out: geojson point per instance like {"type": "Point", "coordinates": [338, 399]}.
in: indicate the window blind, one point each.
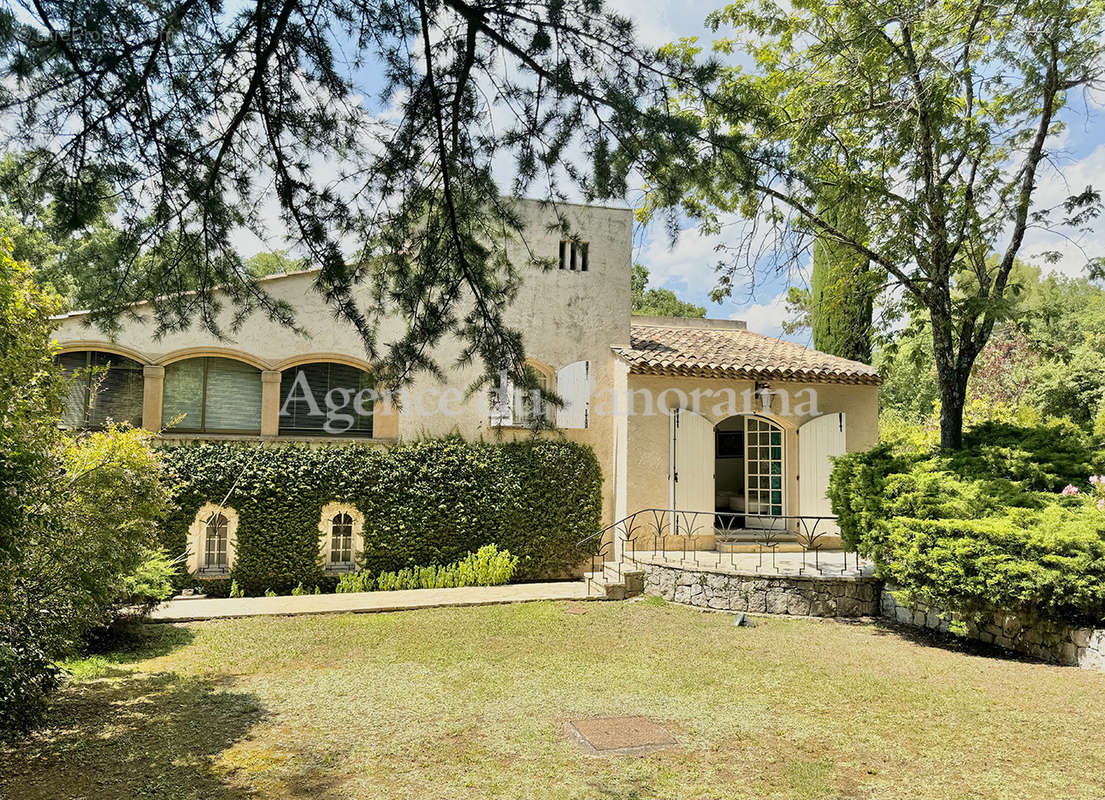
{"type": "Point", "coordinates": [233, 396]}
{"type": "Point", "coordinates": [213, 394]}
{"type": "Point", "coordinates": [184, 395]}
{"type": "Point", "coordinates": [318, 380]}
{"type": "Point", "coordinates": [104, 387]}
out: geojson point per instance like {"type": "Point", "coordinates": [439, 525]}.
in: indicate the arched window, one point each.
{"type": "Point", "coordinates": [215, 542]}
{"type": "Point", "coordinates": [211, 394]}
{"type": "Point", "coordinates": [212, 540]}
{"type": "Point", "coordinates": [105, 386]}
{"type": "Point", "coordinates": [340, 540]}
{"type": "Point", "coordinates": [326, 399]}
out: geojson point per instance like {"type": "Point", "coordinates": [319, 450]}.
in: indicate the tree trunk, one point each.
{"type": "Point", "coordinates": [952, 375]}
{"type": "Point", "coordinates": [952, 399]}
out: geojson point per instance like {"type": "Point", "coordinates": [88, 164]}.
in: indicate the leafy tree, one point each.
{"type": "Point", "coordinates": [60, 247]}
{"type": "Point", "coordinates": [195, 116]}
{"type": "Point", "coordinates": [932, 118]}
{"type": "Point", "coordinates": [273, 262]}
{"type": "Point", "coordinates": [658, 302]}
{"type": "Point", "coordinates": [1047, 357]}
{"type": "Point", "coordinates": [77, 516]}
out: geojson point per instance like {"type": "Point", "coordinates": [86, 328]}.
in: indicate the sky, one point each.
{"type": "Point", "coordinates": [687, 269]}
{"type": "Point", "coordinates": [687, 266]}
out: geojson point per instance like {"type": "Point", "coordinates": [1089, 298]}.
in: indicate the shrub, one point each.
{"type": "Point", "coordinates": [982, 529]}
{"type": "Point", "coordinates": [109, 508]}
{"type": "Point", "coordinates": [425, 503]}
{"type": "Point", "coordinates": [489, 566]}
{"type": "Point", "coordinates": [1050, 563]}
{"type": "Point", "coordinates": [360, 581]}
{"type": "Point", "coordinates": [147, 587]}
{"type": "Point", "coordinates": [78, 516]}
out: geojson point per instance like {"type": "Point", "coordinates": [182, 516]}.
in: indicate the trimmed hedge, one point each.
{"type": "Point", "coordinates": [1050, 563]}
{"type": "Point", "coordinates": [982, 529]}
{"type": "Point", "coordinates": [425, 503]}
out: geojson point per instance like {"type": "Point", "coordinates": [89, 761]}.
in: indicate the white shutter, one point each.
{"type": "Point", "coordinates": [502, 403]}
{"type": "Point", "coordinates": [818, 441]}
{"type": "Point", "coordinates": [573, 384]}
{"type": "Point", "coordinates": [692, 465]}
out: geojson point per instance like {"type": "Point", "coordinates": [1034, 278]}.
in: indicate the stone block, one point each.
{"type": "Point", "coordinates": [1068, 654]}
{"type": "Point", "coordinates": [1080, 637]}
{"type": "Point", "coordinates": [848, 607]}
{"type": "Point", "coordinates": [798, 605]}
{"type": "Point", "coordinates": [777, 601]}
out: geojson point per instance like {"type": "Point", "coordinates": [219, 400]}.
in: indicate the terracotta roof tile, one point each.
{"type": "Point", "coordinates": [734, 353]}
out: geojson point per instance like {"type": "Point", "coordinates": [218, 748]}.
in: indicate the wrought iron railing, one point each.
{"type": "Point", "coordinates": [659, 532]}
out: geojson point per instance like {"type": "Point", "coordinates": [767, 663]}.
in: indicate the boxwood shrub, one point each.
{"type": "Point", "coordinates": [425, 502]}
{"type": "Point", "coordinates": [982, 529]}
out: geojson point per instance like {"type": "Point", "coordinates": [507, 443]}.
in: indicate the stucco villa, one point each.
{"type": "Point", "coordinates": [687, 414]}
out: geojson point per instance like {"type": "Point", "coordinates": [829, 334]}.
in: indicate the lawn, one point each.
{"type": "Point", "coordinates": [474, 703]}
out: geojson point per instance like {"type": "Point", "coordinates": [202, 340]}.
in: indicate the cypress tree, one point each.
{"type": "Point", "coordinates": [842, 290]}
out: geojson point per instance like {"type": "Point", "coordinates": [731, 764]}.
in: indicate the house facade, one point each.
{"type": "Point", "coordinates": [686, 414]}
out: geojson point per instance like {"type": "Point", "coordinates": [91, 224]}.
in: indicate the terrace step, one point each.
{"type": "Point", "coordinates": [755, 547]}
{"type": "Point", "coordinates": [615, 582]}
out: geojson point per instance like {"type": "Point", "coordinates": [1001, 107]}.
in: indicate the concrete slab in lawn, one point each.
{"type": "Point", "coordinates": [620, 735]}
{"type": "Point", "coordinates": [186, 610]}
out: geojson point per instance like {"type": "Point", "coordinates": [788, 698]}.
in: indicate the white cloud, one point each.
{"type": "Point", "coordinates": [691, 263]}
{"type": "Point", "coordinates": [766, 318]}
{"type": "Point", "coordinates": [659, 22]}
{"type": "Point", "coordinates": [1058, 180]}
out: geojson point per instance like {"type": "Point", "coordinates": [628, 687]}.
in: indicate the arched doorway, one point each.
{"type": "Point", "coordinates": [749, 470]}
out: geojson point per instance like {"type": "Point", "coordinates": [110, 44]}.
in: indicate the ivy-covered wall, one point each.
{"type": "Point", "coordinates": [425, 502]}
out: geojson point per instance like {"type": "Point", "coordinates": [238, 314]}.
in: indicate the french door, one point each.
{"type": "Point", "coordinates": [764, 461]}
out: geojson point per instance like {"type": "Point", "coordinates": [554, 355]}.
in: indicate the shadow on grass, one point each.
{"type": "Point", "coordinates": [927, 637]}
{"type": "Point", "coordinates": [117, 647]}
{"type": "Point", "coordinates": [139, 736]}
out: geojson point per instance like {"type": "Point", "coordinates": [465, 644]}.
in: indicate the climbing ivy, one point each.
{"type": "Point", "coordinates": [425, 502]}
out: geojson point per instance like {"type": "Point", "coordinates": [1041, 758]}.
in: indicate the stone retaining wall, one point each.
{"type": "Point", "coordinates": [800, 595]}
{"type": "Point", "coordinates": [825, 596]}
{"type": "Point", "coordinates": [1047, 641]}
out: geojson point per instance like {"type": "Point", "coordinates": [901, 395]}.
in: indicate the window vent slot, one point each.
{"type": "Point", "coordinates": [574, 256]}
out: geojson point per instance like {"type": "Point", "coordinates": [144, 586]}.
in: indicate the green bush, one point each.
{"type": "Point", "coordinates": [1049, 563]}
{"type": "Point", "coordinates": [147, 587]}
{"type": "Point", "coordinates": [488, 566]}
{"type": "Point", "coordinates": [982, 529]}
{"type": "Point", "coordinates": [359, 581]}
{"type": "Point", "coordinates": [425, 503]}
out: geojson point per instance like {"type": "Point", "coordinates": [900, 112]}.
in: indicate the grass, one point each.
{"type": "Point", "coordinates": [473, 703]}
